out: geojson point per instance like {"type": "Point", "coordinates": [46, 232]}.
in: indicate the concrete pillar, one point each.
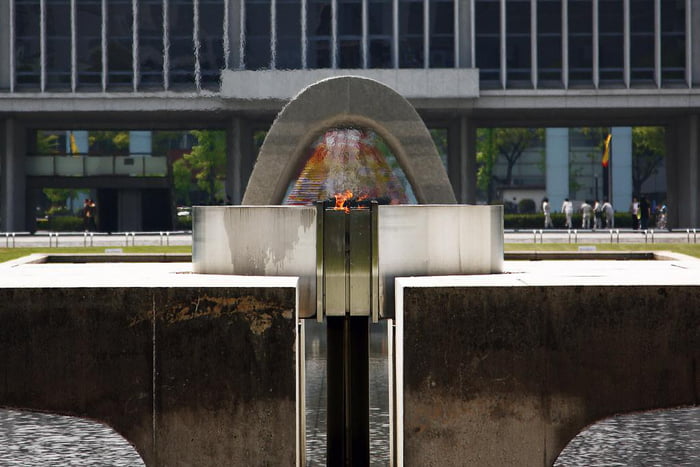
{"type": "Point", "coordinates": [5, 40]}
{"type": "Point", "coordinates": [13, 179]}
{"type": "Point", "coordinates": [694, 37]}
{"type": "Point", "coordinates": [557, 165]}
{"type": "Point", "coordinates": [239, 158]}
{"type": "Point", "coordinates": [234, 34]}
{"type": "Point", "coordinates": [129, 207]}
{"type": "Point", "coordinates": [621, 168]}
{"type": "Point", "coordinates": [683, 171]}
{"type": "Point", "coordinates": [466, 165]}
{"type": "Point", "coordinates": [465, 35]}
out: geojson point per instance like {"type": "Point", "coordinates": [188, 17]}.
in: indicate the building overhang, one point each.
{"type": "Point", "coordinates": [436, 83]}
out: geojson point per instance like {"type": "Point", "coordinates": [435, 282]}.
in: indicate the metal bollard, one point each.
{"type": "Point", "coordinates": [161, 238]}
{"type": "Point", "coordinates": [541, 236]}
{"type": "Point", "coordinates": [7, 239]}
{"type": "Point", "coordinates": [568, 231]}
{"type": "Point", "coordinates": [645, 235]}
{"type": "Point", "coordinates": [575, 236]}
{"type": "Point", "coordinates": [695, 236]}
{"type": "Point", "coordinates": [92, 238]}
{"type": "Point", "coordinates": [611, 235]}
{"type": "Point", "coordinates": [618, 235]}
{"type": "Point", "coordinates": [13, 240]}
{"type": "Point", "coordinates": [687, 232]}
{"type": "Point", "coordinates": [534, 236]}
{"type": "Point", "coordinates": [652, 235]}
{"type": "Point", "coordinates": [126, 238]}
{"type": "Point", "coordinates": [85, 235]}
{"type": "Point", "coordinates": [167, 237]}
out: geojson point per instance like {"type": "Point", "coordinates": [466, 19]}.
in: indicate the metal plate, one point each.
{"type": "Point", "coordinates": [432, 240]}
{"type": "Point", "coordinates": [258, 241]}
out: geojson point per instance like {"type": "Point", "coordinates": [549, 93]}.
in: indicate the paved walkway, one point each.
{"type": "Point", "coordinates": [120, 240]}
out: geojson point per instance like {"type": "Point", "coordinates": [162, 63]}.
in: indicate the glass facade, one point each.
{"type": "Point", "coordinates": [132, 45]}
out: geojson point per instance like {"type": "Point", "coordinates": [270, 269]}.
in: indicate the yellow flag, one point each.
{"type": "Point", "coordinates": [73, 145]}
{"type": "Point", "coordinates": [606, 152]}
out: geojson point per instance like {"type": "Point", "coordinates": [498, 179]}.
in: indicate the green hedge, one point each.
{"type": "Point", "coordinates": [623, 220]}
{"type": "Point", "coordinates": [183, 223]}
{"type": "Point", "coordinates": [64, 224]}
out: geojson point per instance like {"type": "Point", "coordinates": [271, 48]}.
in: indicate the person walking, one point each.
{"type": "Point", "coordinates": [634, 210]}
{"type": "Point", "coordinates": [598, 215]}
{"type": "Point", "coordinates": [609, 214]}
{"type": "Point", "coordinates": [567, 208]}
{"type": "Point", "coordinates": [547, 210]}
{"type": "Point", "coordinates": [586, 214]}
{"type": "Point", "coordinates": [644, 213]}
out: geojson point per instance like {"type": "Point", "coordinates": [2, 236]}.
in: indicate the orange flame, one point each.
{"type": "Point", "coordinates": [341, 199]}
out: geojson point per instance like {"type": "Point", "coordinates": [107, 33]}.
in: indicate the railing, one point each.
{"type": "Point", "coordinates": [86, 166]}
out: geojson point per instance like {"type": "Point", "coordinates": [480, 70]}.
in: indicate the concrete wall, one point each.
{"type": "Point", "coordinates": [191, 376]}
{"type": "Point", "coordinates": [497, 376]}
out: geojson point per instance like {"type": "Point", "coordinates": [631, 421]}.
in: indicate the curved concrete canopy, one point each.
{"type": "Point", "coordinates": [347, 101]}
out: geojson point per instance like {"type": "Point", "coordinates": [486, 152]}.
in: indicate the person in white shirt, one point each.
{"type": "Point", "coordinates": [609, 214]}
{"type": "Point", "coordinates": [547, 210]}
{"type": "Point", "coordinates": [587, 213]}
{"type": "Point", "coordinates": [567, 208]}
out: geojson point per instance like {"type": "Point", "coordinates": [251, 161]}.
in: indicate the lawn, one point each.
{"type": "Point", "coordinates": [7, 254]}
{"type": "Point", "coordinates": [683, 248]}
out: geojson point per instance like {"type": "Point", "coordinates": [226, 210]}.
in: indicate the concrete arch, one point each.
{"type": "Point", "coordinates": [347, 101]}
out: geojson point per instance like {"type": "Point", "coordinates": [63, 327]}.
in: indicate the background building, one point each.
{"type": "Point", "coordinates": [76, 69]}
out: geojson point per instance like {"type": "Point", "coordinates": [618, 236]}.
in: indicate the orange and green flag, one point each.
{"type": "Point", "coordinates": [606, 151]}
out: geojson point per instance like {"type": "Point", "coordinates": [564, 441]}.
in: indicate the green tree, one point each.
{"type": "Point", "coordinates": [205, 164]}
{"type": "Point", "coordinates": [648, 151]}
{"type": "Point", "coordinates": [506, 143]}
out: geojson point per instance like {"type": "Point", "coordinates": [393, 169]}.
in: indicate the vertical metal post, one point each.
{"type": "Point", "coordinates": [533, 43]}
{"type": "Point", "coordinates": [42, 44]}
{"type": "Point", "coordinates": [596, 46]}
{"type": "Point", "coordinates": [565, 43]}
{"type": "Point", "coordinates": [657, 42]}
{"type": "Point", "coordinates": [103, 29]}
{"type": "Point", "coordinates": [626, 44]}
{"type": "Point", "coordinates": [334, 34]}
{"type": "Point", "coordinates": [135, 44]}
{"type": "Point", "coordinates": [426, 34]}
{"type": "Point", "coordinates": [73, 47]}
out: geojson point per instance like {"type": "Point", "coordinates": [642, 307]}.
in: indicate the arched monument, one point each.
{"type": "Point", "coordinates": [347, 102]}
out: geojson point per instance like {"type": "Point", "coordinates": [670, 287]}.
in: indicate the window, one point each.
{"type": "Point", "coordinates": [488, 41]}
{"type": "Point", "coordinates": [380, 34]}
{"type": "Point", "coordinates": [411, 34]}
{"type": "Point", "coordinates": [288, 34]}
{"type": "Point", "coordinates": [180, 22]}
{"type": "Point", "coordinates": [89, 46]}
{"type": "Point", "coordinates": [442, 36]}
{"type": "Point", "coordinates": [318, 33]}
{"type": "Point", "coordinates": [349, 34]}
{"type": "Point", "coordinates": [673, 42]}
{"type": "Point", "coordinates": [119, 44]}
{"type": "Point", "coordinates": [150, 31]}
{"type": "Point", "coordinates": [257, 27]}
{"type": "Point", "coordinates": [611, 42]}
{"type": "Point", "coordinates": [549, 43]}
{"type": "Point", "coordinates": [642, 42]}
{"type": "Point", "coordinates": [27, 44]}
{"type": "Point", "coordinates": [580, 43]}
{"type": "Point", "coordinates": [211, 49]}
{"type": "Point", "coordinates": [58, 45]}
{"type": "Point", "coordinates": [518, 56]}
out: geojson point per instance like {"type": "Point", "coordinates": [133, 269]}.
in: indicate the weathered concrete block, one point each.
{"type": "Point", "coordinates": [189, 375]}
{"type": "Point", "coordinates": [509, 375]}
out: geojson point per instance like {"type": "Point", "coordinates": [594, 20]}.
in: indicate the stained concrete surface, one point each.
{"type": "Point", "coordinates": [192, 370]}
{"type": "Point", "coordinates": [506, 369]}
